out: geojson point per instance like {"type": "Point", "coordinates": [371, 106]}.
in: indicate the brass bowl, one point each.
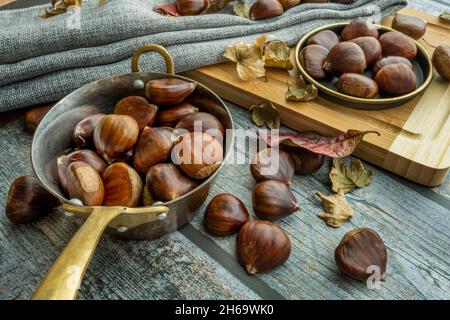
{"type": "Point", "coordinates": [423, 68]}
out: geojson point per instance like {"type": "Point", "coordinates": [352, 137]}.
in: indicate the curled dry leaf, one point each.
{"type": "Point", "coordinates": [266, 114]}
{"type": "Point", "coordinates": [337, 209]}
{"type": "Point", "coordinates": [445, 15]}
{"type": "Point", "coordinates": [346, 177]}
{"type": "Point", "coordinates": [241, 9]}
{"type": "Point", "coordinates": [340, 146]}
{"type": "Point", "coordinates": [299, 90]}
{"type": "Point", "coordinates": [277, 54]}
{"type": "Point", "coordinates": [61, 6]}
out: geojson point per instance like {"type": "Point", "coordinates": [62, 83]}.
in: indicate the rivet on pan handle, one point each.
{"type": "Point", "coordinates": [152, 47]}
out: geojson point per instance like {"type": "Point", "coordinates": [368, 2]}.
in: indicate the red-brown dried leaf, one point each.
{"type": "Point", "coordinates": [340, 146]}
{"type": "Point", "coordinates": [169, 9]}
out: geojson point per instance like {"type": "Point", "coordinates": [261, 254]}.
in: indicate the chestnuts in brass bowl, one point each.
{"type": "Point", "coordinates": [350, 73]}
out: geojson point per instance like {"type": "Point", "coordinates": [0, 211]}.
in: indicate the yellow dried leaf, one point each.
{"type": "Point", "coordinates": [299, 90]}
{"type": "Point", "coordinates": [267, 114]}
{"type": "Point", "coordinates": [241, 9]}
{"type": "Point", "coordinates": [337, 209]}
{"type": "Point", "coordinates": [248, 58]}
{"type": "Point", "coordinates": [277, 54]}
{"type": "Point", "coordinates": [346, 177]}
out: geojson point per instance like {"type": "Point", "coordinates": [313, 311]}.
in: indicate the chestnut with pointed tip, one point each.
{"type": "Point", "coordinates": [371, 48]}
{"type": "Point", "coordinates": [197, 154]}
{"type": "Point", "coordinates": [394, 43]}
{"type": "Point", "coordinates": [115, 135]}
{"type": "Point", "coordinates": [83, 132]}
{"type": "Point", "coordinates": [28, 200]}
{"type": "Point", "coordinates": [85, 155]}
{"type": "Point", "coordinates": [359, 28]}
{"type": "Point", "coordinates": [165, 182]}
{"type": "Point", "coordinates": [312, 58]}
{"type": "Point", "coordinates": [123, 186]}
{"type": "Point", "coordinates": [201, 122]}
{"type": "Point", "coordinates": [411, 26]}
{"type": "Point", "coordinates": [263, 9]}
{"type": "Point", "coordinates": [390, 60]}
{"type": "Point", "coordinates": [262, 246]}
{"type": "Point", "coordinates": [360, 250]}
{"type": "Point", "coordinates": [325, 38]}
{"type": "Point", "coordinates": [85, 184]}
{"type": "Point", "coordinates": [169, 117]}
{"type": "Point", "coordinates": [272, 200]}
{"type": "Point", "coordinates": [441, 61]}
{"type": "Point", "coordinates": [345, 57]}
{"type": "Point", "coordinates": [154, 146]}
{"type": "Point", "coordinates": [272, 164]}
{"type": "Point", "coordinates": [357, 85]}
{"type": "Point", "coordinates": [139, 109]}
{"type": "Point", "coordinates": [305, 161]}
{"type": "Point", "coordinates": [396, 79]}
{"type": "Point", "coordinates": [225, 215]}
{"type": "Point", "coordinates": [168, 91]}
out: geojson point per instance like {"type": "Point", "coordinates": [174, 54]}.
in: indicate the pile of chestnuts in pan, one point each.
{"type": "Point", "coordinates": [366, 62]}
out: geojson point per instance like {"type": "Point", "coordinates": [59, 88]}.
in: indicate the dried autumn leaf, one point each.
{"type": "Point", "coordinates": [346, 177]}
{"type": "Point", "coordinates": [248, 58]}
{"type": "Point", "coordinates": [266, 114]}
{"type": "Point", "coordinates": [299, 90]}
{"type": "Point", "coordinates": [337, 209]}
{"type": "Point", "coordinates": [445, 15]}
{"type": "Point", "coordinates": [168, 9]}
{"type": "Point", "coordinates": [61, 6]}
{"type": "Point", "coordinates": [340, 146]}
{"type": "Point", "coordinates": [241, 9]}
{"type": "Point", "coordinates": [276, 54]}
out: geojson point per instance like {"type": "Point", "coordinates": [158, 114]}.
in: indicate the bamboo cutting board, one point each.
{"type": "Point", "coordinates": [415, 137]}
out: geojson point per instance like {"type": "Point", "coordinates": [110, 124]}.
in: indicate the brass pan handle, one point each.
{"type": "Point", "coordinates": [152, 47]}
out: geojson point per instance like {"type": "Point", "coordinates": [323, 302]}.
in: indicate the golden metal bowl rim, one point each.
{"type": "Point", "coordinates": [382, 101]}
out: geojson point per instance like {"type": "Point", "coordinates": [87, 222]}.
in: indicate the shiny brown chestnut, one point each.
{"type": "Point", "coordinates": [197, 154]}
{"type": "Point", "coordinates": [85, 155]}
{"type": "Point", "coordinates": [115, 135]}
{"type": "Point", "coordinates": [346, 57]}
{"type": "Point", "coordinates": [168, 91]}
{"type": "Point", "coordinates": [390, 60]}
{"type": "Point", "coordinates": [225, 215]}
{"type": "Point", "coordinates": [85, 184]}
{"type": "Point", "coordinates": [441, 61]}
{"type": "Point", "coordinates": [312, 58]}
{"type": "Point", "coordinates": [154, 146]}
{"type": "Point", "coordinates": [28, 200]}
{"type": "Point", "coordinates": [305, 161]}
{"type": "Point", "coordinates": [201, 122]}
{"type": "Point", "coordinates": [139, 109]}
{"type": "Point", "coordinates": [263, 9]}
{"type": "Point", "coordinates": [272, 200]}
{"type": "Point", "coordinates": [357, 85]}
{"type": "Point", "coordinates": [35, 115]}
{"type": "Point", "coordinates": [371, 47]}
{"type": "Point", "coordinates": [287, 4]}
{"type": "Point", "coordinates": [325, 38]}
{"type": "Point", "coordinates": [411, 26]}
{"type": "Point", "coordinates": [396, 79]}
{"type": "Point", "coordinates": [359, 28]}
{"type": "Point", "coordinates": [360, 252]}
{"type": "Point", "coordinates": [262, 246]}
{"type": "Point", "coordinates": [169, 117]}
{"type": "Point", "coordinates": [83, 132]}
{"type": "Point", "coordinates": [191, 7]}
{"type": "Point", "coordinates": [395, 43]}
{"type": "Point", "coordinates": [272, 164]}
{"type": "Point", "coordinates": [123, 186]}
{"type": "Point", "coordinates": [165, 182]}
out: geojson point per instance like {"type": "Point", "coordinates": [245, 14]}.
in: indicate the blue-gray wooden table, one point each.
{"type": "Point", "coordinates": [414, 222]}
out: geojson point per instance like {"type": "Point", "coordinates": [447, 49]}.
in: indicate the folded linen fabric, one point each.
{"type": "Point", "coordinates": [42, 60]}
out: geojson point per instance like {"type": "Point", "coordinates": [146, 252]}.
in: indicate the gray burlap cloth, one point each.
{"type": "Point", "coordinates": [44, 60]}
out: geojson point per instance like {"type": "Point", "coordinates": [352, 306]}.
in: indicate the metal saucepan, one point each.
{"type": "Point", "coordinates": [53, 137]}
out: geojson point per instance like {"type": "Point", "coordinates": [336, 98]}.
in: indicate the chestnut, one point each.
{"type": "Point", "coordinates": [390, 60]}
{"type": "Point", "coordinates": [371, 48]}
{"type": "Point", "coordinates": [83, 132]}
{"type": "Point", "coordinates": [34, 116]}
{"type": "Point", "coordinates": [396, 79]}
{"type": "Point", "coordinates": [225, 215]}
{"type": "Point", "coordinates": [191, 7]}
{"type": "Point", "coordinates": [85, 184]}
{"type": "Point", "coordinates": [411, 26]}
{"type": "Point", "coordinates": [168, 91]}
{"type": "Point", "coordinates": [263, 9]}
{"type": "Point", "coordinates": [165, 182]}
{"type": "Point", "coordinates": [28, 200]}
{"type": "Point", "coordinates": [262, 246]}
{"type": "Point", "coordinates": [357, 85]}
{"type": "Point", "coordinates": [272, 200]}
{"type": "Point", "coordinates": [359, 28]}
{"type": "Point", "coordinates": [272, 164]}
{"type": "Point", "coordinates": [169, 117]}
{"type": "Point", "coordinates": [115, 135]}
{"type": "Point", "coordinates": [305, 161]}
{"type": "Point", "coordinates": [139, 109]}
{"type": "Point", "coordinates": [197, 154]}
{"type": "Point", "coordinates": [154, 146]}
{"type": "Point", "coordinates": [88, 156]}
{"type": "Point", "coordinates": [325, 38]}
{"type": "Point", "coordinates": [441, 61]}
{"type": "Point", "coordinates": [312, 58]}
{"type": "Point", "coordinates": [358, 251]}
{"type": "Point", "coordinates": [287, 4]}
{"type": "Point", "coordinates": [394, 43]}
{"type": "Point", "coordinates": [123, 185]}
{"type": "Point", "coordinates": [345, 57]}
{"type": "Point", "coordinates": [201, 122]}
